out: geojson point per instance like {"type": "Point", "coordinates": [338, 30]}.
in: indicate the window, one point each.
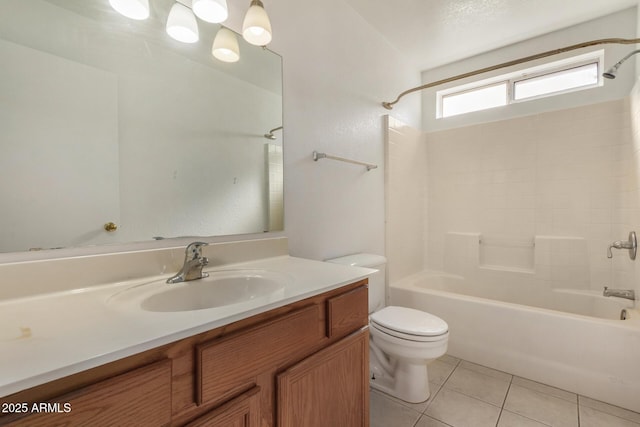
{"type": "Point", "coordinates": [560, 81]}
{"type": "Point", "coordinates": [475, 99]}
{"type": "Point", "coordinates": [555, 78]}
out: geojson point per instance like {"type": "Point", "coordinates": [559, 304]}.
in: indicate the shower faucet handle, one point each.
{"type": "Point", "coordinates": [631, 244]}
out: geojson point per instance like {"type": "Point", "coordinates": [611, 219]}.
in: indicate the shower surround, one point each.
{"type": "Point", "coordinates": [570, 176]}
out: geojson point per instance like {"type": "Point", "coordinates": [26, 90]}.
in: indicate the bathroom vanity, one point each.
{"type": "Point", "coordinates": [302, 364]}
{"type": "Point", "coordinates": [300, 360]}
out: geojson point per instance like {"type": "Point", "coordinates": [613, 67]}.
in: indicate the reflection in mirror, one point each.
{"type": "Point", "coordinates": [109, 120]}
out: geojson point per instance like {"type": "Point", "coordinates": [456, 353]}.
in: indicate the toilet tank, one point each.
{"type": "Point", "coordinates": [376, 280]}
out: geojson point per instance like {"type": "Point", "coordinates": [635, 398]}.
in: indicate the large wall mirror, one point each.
{"type": "Point", "coordinates": [105, 119]}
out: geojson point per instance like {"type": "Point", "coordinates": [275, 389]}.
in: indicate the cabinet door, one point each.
{"type": "Point", "coordinates": [329, 388]}
{"type": "Point", "coordinates": [243, 411]}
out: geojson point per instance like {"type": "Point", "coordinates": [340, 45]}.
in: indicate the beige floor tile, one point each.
{"type": "Point", "coordinates": [486, 371]}
{"type": "Point", "coordinates": [385, 412]}
{"type": "Point", "coordinates": [483, 387]}
{"type": "Point", "coordinates": [610, 409]}
{"type": "Point", "coordinates": [509, 419]}
{"type": "Point", "coordinates": [546, 389]}
{"type": "Point", "coordinates": [419, 407]}
{"type": "Point", "coordinates": [465, 394]}
{"type": "Point", "coordinates": [449, 359]}
{"type": "Point", "coordinates": [426, 421]}
{"type": "Point", "coordinates": [541, 407]}
{"type": "Point", "coordinates": [438, 371]}
{"type": "Point", "coordinates": [590, 417]}
{"type": "Point", "coordinates": [459, 410]}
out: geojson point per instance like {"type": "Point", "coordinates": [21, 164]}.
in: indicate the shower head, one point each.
{"type": "Point", "coordinates": [270, 134]}
{"type": "Point", "coordinates": [613, 71]}
{"type": "Point", "coordinates": [610, 73]}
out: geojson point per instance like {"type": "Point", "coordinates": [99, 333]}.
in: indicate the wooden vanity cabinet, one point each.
{"type": "Point", "coordinates": [304, 364]}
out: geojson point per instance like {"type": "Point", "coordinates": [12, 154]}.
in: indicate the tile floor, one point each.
{"type": "Point", "coordinates": [464, 394]}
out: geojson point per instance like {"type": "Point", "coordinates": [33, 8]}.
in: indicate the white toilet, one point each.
{"type": "Point", "coordinates": [402, 340]}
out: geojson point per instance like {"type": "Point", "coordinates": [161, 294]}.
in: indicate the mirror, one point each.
{"type": "Point", "coordinates": [109, 120]}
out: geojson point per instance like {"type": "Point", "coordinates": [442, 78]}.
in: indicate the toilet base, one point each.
{"type": "Point", "coordinates": [410, 384]}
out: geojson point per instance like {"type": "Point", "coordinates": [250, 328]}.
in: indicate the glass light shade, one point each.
{"type": "Point", "coordinates": [256, 28]}
{"type": "Point", "coordinates": [225, 46]}
{"type": "Point", "coordinates": [134, 9]}
{"type": "Point", "coordinates": [213, 11]}
{"type": "Point", "coordinates": [182, 24]}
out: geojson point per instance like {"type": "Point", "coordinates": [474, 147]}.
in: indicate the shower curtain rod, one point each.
{"type": "Point", "coordinates": [389, 105]}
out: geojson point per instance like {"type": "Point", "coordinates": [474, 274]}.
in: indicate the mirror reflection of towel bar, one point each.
{"type": "Point", "coordinates": [317, 156]}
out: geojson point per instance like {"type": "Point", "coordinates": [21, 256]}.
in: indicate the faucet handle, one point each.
{"type": "Point", "coordinates": [194, 250]}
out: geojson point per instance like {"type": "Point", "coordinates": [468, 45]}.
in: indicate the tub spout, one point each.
{"type": "Point", "coordinates": [620, 293]}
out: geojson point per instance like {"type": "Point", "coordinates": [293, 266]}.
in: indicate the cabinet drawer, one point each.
{"type": "Point", "coordinates": [138, 397]}
{"type": "Point", "coordinates": [347, 312]}
{"type": "Point", "coordinates": [229, 365]}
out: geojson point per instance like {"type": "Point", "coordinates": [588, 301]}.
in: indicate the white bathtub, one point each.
{"type": "Point", "coordinates": [569, 339]}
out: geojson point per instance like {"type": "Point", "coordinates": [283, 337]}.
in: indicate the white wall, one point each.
{"type": "Point", "coordinates": [629, 197]}
{"type": "Point", "coordinates": [620, 24]}
{"type": "Point", "coordinates": [337, 71]}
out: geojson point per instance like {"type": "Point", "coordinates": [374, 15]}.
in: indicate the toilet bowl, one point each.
{"type": "Point", "coordinates": [402, 340]}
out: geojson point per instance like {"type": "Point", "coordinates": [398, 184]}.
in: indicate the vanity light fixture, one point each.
{"type": "Point", "coordinates": [256, 28]}
{"type": "Point", "coordinates": [213, 11]}
{"type": "Point", "coordinates": [134, 9]}
{"type": "Point", "coordinates": [225, 46]}
{"type": "Point", "coordinates": [182, 24]}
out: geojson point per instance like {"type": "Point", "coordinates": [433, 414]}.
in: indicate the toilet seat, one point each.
{"type": "Point", "coordinates": [409, 324]}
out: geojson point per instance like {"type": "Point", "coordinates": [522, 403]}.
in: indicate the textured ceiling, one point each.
{"type": "Point", "coordinates": [431, 33]}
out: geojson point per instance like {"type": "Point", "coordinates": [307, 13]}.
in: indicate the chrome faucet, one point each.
{"type": "Point", "coordinates": [193, 264]}
{"type": "Point", "coordinates": [631, 244]}
{"type": "Point", "coordinates": [620, 293]}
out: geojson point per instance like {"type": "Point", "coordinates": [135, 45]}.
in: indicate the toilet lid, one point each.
{"type": "Point", "coordinates": [410, 321]}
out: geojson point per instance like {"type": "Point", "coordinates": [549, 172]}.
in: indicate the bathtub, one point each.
{"type": "Point", "coordinates": [570, 339]}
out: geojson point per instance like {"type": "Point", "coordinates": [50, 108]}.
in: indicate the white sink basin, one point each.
{"type": "Point", "coordinates": [221, 289]}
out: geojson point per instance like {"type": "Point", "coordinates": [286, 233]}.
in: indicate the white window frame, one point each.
{"type": "Point", "coordinates": [594, 57]}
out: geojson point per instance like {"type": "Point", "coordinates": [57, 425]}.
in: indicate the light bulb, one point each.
{"type": "Point", "coordinates": [134, 9]}
{"type": "Point", "coordinates": [213, 11]}
{"type": "Point", "coordinates": [182, 24]}
{"type": "Point", "coordinates": [225, 46]}
{"type": "Point", "coordinates": [256, 28]}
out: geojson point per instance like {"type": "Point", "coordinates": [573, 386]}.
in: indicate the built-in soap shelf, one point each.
{"type": "Point", "coordinates": [562, 262]}
{"type": "Point", "coordinates": [507, 253]}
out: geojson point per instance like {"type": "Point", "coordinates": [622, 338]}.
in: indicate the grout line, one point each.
{"type": "Point", "coordinates": [578, 409]}
{"type": "Point", "coordinates": [507, 393]}
{"type": "Point", "coordinates": [431, 399]}
{"type": "Point", "coordinates": [505, 401]}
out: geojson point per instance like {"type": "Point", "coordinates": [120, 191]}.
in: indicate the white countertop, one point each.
{"type": "Point", "coordinates": [50, 336]}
